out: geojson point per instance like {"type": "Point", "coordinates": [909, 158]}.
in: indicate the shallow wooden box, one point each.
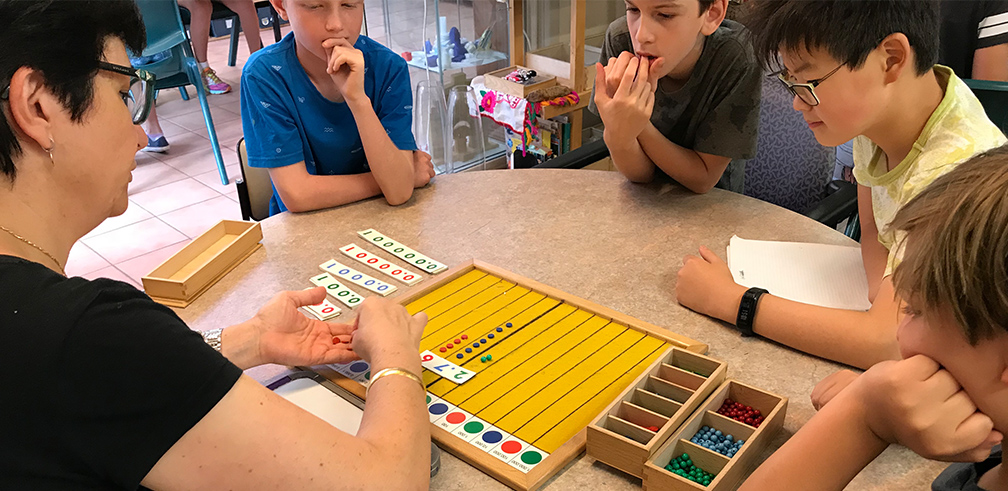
{"type": "Point", "coordinates": [664, 396]}
{"type": "Point", "coordinates": [729, 471]}
{"type": "Point", "coordinates": [195, 268]}
{"type": "Point", "coordinates": [495, 81]}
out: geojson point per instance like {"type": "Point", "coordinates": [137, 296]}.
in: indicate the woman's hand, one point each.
{"type": "Point", "coordinates": [286, 336]}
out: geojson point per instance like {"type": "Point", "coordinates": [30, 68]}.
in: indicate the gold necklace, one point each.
{"type": "Point", "coordinates": [43, 251]}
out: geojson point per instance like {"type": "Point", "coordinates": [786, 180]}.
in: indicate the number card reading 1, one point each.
{"type": "Point", "coordinates": [445, 368]}
{"type": "Point", "coordinates": [356, 277]}
{"type": "Point", "coordinates": [338, 290]}
{"type": "Point", "coordinates": [380, 264]}
{"type": "Point", "coordinates": [325, 310]}
{"type": "Point", "coordinates": [397, 249]}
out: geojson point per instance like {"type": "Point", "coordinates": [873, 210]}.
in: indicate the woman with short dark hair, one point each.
{"type": "Point", "coordinates": [105, 388]}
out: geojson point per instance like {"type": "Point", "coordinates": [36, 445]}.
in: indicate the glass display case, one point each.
{"type": "Point", "coordinates": [446, 44]}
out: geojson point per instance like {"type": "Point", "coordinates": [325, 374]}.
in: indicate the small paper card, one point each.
{"type": "Point", "coordinates": [444, 368]}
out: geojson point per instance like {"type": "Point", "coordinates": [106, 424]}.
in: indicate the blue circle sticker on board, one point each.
{"type": "Point", "coordinates": [359, 367]}
{"type": "Point", "coordinates": [492, 436]}
{"type": "Point", "coordinates": [438, 408]}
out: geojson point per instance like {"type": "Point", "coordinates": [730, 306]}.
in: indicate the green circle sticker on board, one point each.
{"type": "Point", "coordinates": [531, 457]}
{"type": "Point", "coordinates": [428, 398]}
{"type": "Point", "coordinates": [473, 427]}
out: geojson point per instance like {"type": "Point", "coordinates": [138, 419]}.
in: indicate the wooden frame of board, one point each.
{"type": "Point", "coordinates": [573, 447]}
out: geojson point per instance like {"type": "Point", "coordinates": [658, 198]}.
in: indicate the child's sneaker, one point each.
{"type": "Point", "coordinates": [159, 145]}
{"type": "Point", "coordinates": [213, 84]}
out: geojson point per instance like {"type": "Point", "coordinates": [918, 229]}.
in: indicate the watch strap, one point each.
{"type": "Point", "coordinates": [747, 310]}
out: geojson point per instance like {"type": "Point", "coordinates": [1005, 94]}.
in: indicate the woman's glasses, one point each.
{"type": "Point", "coordinates": [140, 97]}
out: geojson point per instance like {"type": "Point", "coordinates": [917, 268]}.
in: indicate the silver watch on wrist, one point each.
{"type": "Point", "coordinates": [213, 338]}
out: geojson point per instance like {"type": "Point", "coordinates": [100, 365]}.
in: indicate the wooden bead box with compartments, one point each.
{"type": "Point", "coordinates": [648, 412]}
{"type": "Point", "coordinates": [691, 459]}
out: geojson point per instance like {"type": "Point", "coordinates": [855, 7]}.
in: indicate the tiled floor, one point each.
{"type": "Point", "coordinates": [176, 196]}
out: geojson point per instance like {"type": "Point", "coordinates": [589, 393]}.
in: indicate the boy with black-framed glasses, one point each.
{"type": "Point", "coordinates": [872, 76]}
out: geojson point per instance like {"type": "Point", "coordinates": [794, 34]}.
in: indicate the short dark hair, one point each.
{"type": "Point", "coordinates": [64, 40]}
{"type": "Point", "coordinates": [846, 29]}
{"type": "Point", "coordinates": [704, 5]}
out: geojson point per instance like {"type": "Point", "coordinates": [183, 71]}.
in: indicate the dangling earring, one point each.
{"type": "Point", "coordinates": [52, 145]}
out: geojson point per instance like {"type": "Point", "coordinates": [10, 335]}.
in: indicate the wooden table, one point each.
{"type": "Point", "coordinates": [589, 233]}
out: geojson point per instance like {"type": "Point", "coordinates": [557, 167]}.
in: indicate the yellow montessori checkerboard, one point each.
{"type": "Point", "coordinates": [545, 363]}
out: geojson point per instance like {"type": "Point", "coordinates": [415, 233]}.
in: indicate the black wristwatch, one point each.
{"type": "Point", "coordinates": [747, 310]}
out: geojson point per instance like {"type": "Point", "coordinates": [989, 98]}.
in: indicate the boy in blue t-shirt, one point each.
{"type": "Point", "coordinates": [329, 111]}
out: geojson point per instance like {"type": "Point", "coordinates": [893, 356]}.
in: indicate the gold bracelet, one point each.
{"type": "Point", "coordinates": [395, 371]}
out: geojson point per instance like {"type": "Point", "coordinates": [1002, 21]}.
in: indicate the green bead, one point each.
{"type": "Point", "coordinates": [489, 357]}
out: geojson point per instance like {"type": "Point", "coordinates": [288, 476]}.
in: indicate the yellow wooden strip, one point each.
{"type": "Point", "coordinates": [537, 354]}
{"type": "Point", "coordinates": [443, 291]}
{"type": "Point", "coordinates": [546, 419]}
{"type": "Point", "coordinates": [444, 318]}
{"type": "Point", "coordinates": [467, 292]}
{"type": "Point", "coordinates": [434, 339]}
{"type": "Point", "coordinates": [530, 409]}
{"type": "Point", "coordinates": [582, 416]}
{"type": "Point", "coordinates": [518, 314]}
{"type": "Point", "coordinates": [551, 363]}
{"type": "Point", "coordinates": [503, 363]}
{"type": "Point", "coordinates": [478, 325]}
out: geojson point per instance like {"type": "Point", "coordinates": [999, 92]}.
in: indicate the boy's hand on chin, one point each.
{"type": "Point", "coordinates": [346, 67]}
{"type": "Point", "coordinates": [917, 403]}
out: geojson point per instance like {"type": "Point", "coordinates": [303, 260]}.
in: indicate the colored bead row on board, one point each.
{"type": "Point", "coordinates": [457, 342]}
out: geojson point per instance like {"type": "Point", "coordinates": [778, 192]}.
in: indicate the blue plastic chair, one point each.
{"type": "Point", "coordinates": [165, 33]}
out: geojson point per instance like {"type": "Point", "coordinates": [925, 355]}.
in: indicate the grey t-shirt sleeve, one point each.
{"type": "Point", "coordinates": [729, 127]}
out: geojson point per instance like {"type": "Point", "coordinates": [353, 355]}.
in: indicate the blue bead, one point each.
{"type": "Point", "coordinates": [468, 350]}
{"type": "Point", "coordinates": [508, 324]}
{"type": "Point", "coordinates": [500, 329]}
{"type": "Point", "coordinates": [705, 428]}
{"type": "Point", "coordinates": [729, 438]}
{"type": "Point", "coordinates": [476, 345]}
{"type": "Point", "coordinates": [490, 335]}
{"type": "Point", "coordinates": [458, 356]}
{"type": "Point", "coordinates": [482, 341]}
{"type": "Point", "coordinates": [717, 432]}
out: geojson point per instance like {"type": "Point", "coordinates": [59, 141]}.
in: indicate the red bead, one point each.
{"type": "Point", "coordinates": [450, 346]}
{"type": "Point", "coordinates": [653, 428]}
{"type": "Point", "coordinates": [464, 337]}
{"type": "Point", "coordinates": [458, 341]}
{"type": "Point", "coordinates": [443, 349]}
{"type": "Point", "coordinates": [336, 340]}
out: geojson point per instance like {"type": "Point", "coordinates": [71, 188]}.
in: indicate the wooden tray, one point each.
{"type": "Point", "coordinates": [495, 81]}
{"type": "Point", "coordinates": [729, 471]}
{"type": "Point", "coordinates": [191, 271]}
{"type": "Point", "coordinates": [664, 396]}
